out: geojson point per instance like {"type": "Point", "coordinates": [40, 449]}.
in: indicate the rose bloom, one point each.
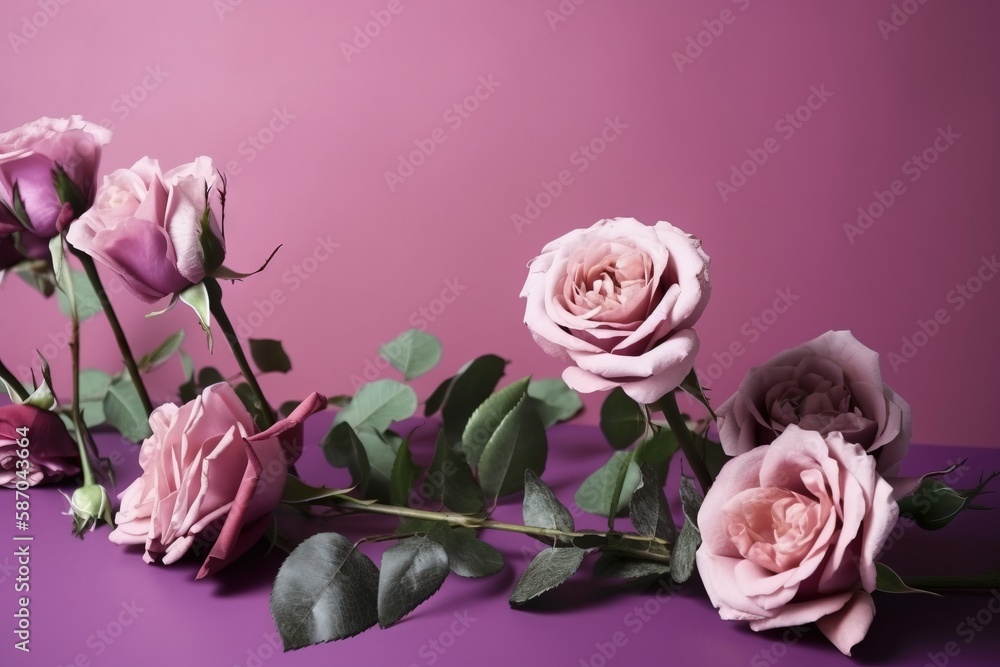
{"type": "Point", "coordinates": [31, 153]}
{"type": "Point", "coordinates": [831, 383]}
{"type": "Point", "coordinates": [205, 462]}
{"type": "Point", "coordinates": [52, 454]}
{"type": "Point", "coordinates": [790, 533]}
{"type": "Point", "coordinates": [157, 231]}
{"type": "Point", "coordinates": [618, 300]}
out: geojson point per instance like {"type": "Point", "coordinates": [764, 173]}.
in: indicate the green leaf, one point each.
{"type": "Point", "coordinates": [17, 206]}
{"type": "Point", "coordinates": [38, 275]}
{"type": "Point", "coordinates": [68, 191]}
{"type": "Point", "coordinates": [187, 391]}
{"type": "Point", "coordinates": [196, 297]}
{"type": "Point", "coordinates": [517, 445]}
{"type": "Point", "coordinates": [297, 491]}
{"type": "Point", "coordinates": [269, 356]}
{"type": "Point", "coordinates": [380, 449]}
{"type": "Point", "coordinates": [208, 376]}
{"type": "Point", "coordinates": [162, 353]}
{"type": "Point", "coordinates": [412, 353]}
{"type": "Point", "coordinates": [468, 556]}
{"type": "Point", "coordinates": [378, 404]}
{"type": "Point", "coordinates": [620, 567]}
{"type": "Point", "coordinates": [594, 495]}
{"type": "Point", "coordinates": [887, 581]}
{"type": "Point", "coordinates": [450, 481]}
{"type": "Point", "coordinates": [682, 558]}
{"type": "Point", "coordinates": [123, 410]}
{"type": "Point", "coordinates": [471, 387]}
{"type": "Point", "coordinates": [87, 302]}
{"type": "Point", "coordinates": [692, 386]}
{"type": "Point", "coordinates": [549, 569]}
{"type": "Point", "coordinates": [713, 454]}
{"type": "Point", "coordinates": [556, 402]}
{"type": "Point", "coordinates": [343, 449]}
{"type": "Point", "coordinates": [658, 450]}
{"type": "Point", "coordinates": [252, 404]}
{"type": "Point", "coordinates": [648, 508]}
{"type": "Point", "coordinates": [541, 508]}
{"type": "Point", "coordinates": [486, 419]}
{"type": "Point", "coordinates": [436, 399]}
{"type": "Point", "coordinates": [623, 420]}
{"type": "Point", "coordinates": [94, 385]}
{"type": "Point", "coordinates": [402, 475]}
{"type": "Point", "coordinates": [412, 571]}
{"type": "Point", "coordinates": [325, 590]}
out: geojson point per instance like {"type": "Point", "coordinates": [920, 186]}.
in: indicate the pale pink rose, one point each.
{"type": "Point", "coordinates": [157, 231]}
{"type": "Point", "coordinates": [51, 453]}
{"type": "Point", "coordinates": [619, 300]}
{"type": "Point", "coordinates": [205, 463]}
{"type": "Point", "coordinates": [29, 157]}
{"type": "Point", "coordinates": [832, 383]}
{"type": "Point", "coordinates": [790, 534]}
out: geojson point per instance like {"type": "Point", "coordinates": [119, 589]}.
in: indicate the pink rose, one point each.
{"type": "Point", "coordinates": [206, 463]}
{"type": "Point", "coordinates": [30, 157]}
{"type": "Point", "coordinates": [619, 300]}
{"type": "Point", "coordinates": [831, 383]}
{"type": "Point", "coordinates": [157, 231]}
{"type": "Point", "coordinates": [790, 534]}
{"type": "Point", "coordinates": [51, 453]}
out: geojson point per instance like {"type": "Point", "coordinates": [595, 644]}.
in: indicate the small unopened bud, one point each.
{"type": "Point", "coordinates": [89, 506]}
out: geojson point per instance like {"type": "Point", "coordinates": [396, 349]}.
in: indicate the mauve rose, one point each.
{"type": "Point", "coordinates": [831, 383]}
{"type": "Point", "coordinates": [52, 454]}
{"type": "Point", "coordinates": [619, 300]}
{"type": "Point", "coordinates": [790, 534]}
{"type": "Point", "coordinates": [157, 231]}
{"type": "Point", "coordinates": [30, 154]}
{"type": "Point", "coordinates": [205, 462]}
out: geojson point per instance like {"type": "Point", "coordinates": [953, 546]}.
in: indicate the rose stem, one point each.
{"type": "Point", "coordinates": [641, 550]}
{"type": "Point", "coordinates": [215, 304]}
{"type": "Point", "coordinates": [78, 426]}
{"type": "Point", "coordinates": [668, 405]}
{"type": "Point", "coordinates": [13, 382]}
{"type": "Point", "coordinates": [974, 581]}
{"type": "Point", "coordinates": [133, 370]}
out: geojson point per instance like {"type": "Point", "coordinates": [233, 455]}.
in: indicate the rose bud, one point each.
{"type": "Point", "coordinates": [157, 231]}
{"type": "Point", "coordinates": [48, 171]}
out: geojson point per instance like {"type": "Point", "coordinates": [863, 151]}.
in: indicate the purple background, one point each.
{"type": "Point", "coordinates": [192, 77]}
{"type": "Point", "coordinates": [79, 588]}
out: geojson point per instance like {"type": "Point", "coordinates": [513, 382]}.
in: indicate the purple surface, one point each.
{"type": "Point", "coordinates": [93, 603]}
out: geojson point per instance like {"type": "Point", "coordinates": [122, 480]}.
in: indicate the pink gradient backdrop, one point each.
{"type": "Point", "coordinates": [227, 69]}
